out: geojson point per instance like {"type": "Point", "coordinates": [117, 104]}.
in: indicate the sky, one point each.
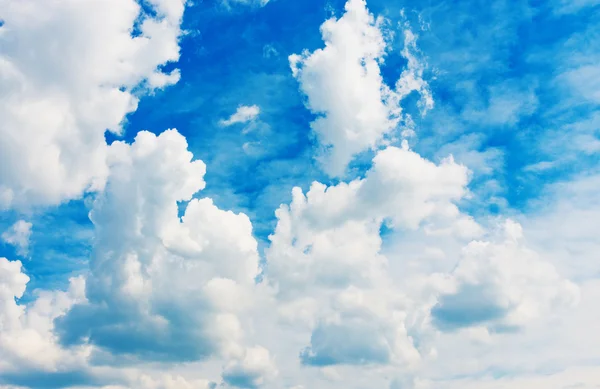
{"type": "Point", "coordinates": [279, 194]}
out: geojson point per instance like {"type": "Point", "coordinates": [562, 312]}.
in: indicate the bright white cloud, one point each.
{"type": "Point", "coordinates": [68, 71]}
{"type": "Point", "coordinates": [411, 78]}
{"type": "Point", "coordinates": [27, 343]}
{"type": "Point", "coordinates": [344, 86]}
{"type": "Point", "coordinates": [179, 285]}
{"type": "Point", "coordinates": [243, 114]}
{"type": "Point", "coordinates": [18, 235]}
{"type": "Point", "coordinates": [160, 288]}
{"type": "Point", "coordinates": [326, 264]}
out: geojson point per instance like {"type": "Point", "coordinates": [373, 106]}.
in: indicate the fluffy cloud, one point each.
{"type": "Point", "coordinates": [161, 287]}
{"type": "Point", "coordinates": [502, 286]}
{"type": "Point", "coordinates": [60, 94]}
{"type": "Point", "coordinates": [325, 259]}
{"type": "Point", "coordinates": [27, 342]}
{"type": "Point", "coordinates": [344, 86]}
{"type": "Point", "coordinates": [18, 236]}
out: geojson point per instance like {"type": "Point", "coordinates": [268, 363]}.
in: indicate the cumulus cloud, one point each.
{"type": "Point", "coordinates": [326, 264]}
{"type": "Point", "coordinates": [18, 235]}
{"type": "Point", "coordinates": [344, 87]}
{"type": "Point", "coordinates": [60, 94]}
{"type": "Point", "coordinates": [27, 341]}
{"type": "Point", "coordinates": [243, 114]}
{"type": "Point", "coordinates": [502, 286]}
{"type": "Point", "coordinates": [161, 288]}
{"type": "Point", "coordinates": [326, 260]}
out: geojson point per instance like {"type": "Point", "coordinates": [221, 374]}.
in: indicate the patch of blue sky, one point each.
{"type": "Point", "coordinates": [59, 246]}
{"type": "Point", "coordinates": [499, 101]}
{"type": "Point", "coordinates": [233, 57]}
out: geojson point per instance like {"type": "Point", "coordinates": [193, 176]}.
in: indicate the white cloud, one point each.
{"type": "Point", "coordinates": [160, 288]}
{"type": "Point", "coordinates": [243, 114]}
{"type": "Point", "coordinates": [173, 288]}
{"type": "Point", "coordinates": [18, 235]}
{"type": "Point", "coordinates": [27, 342]}
{"type": "Point", "coordinates": [344, 86]}
{"type": "Point", "coordinates": [411, 78]}
{"type": "Point", "coordinates": [326, 264]}
{"type": "Point", "coordinates": [68, 74]}
{"type": "Point", "coordinates": [251, 371]}
{"type": "Point", "coordinates": [502, 285]}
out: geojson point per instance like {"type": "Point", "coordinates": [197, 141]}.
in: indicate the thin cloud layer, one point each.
{"type": "Point", "coordinates": [18, 235]}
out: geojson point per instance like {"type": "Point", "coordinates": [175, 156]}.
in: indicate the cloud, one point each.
{"type": "Point", "coordinates": [502, 286]}
{"type": "Point", "coordinates": [82, 73]}
{"type": "Point", "coordinates": [251, 370]}
{"type": "Point", "coordinates": [344, 87]}
{"type": "Point", "coordinates": [169, 381]}
{"type": "Point", "coordinates": [243, 114]}
{"type": "Point", "coordinates": [506, 105]}
{"type": "Point", "coordinates": [18, 235]}
{"type": "Point", "coordinates": [352, 343]}
{"type": "Point", "coordinates": [326, 265]}
{"type": "Point", "coordinates": [585, 81]}
{"type": "Point", "coordinates": [161, 288]}
{"type": "Point", "coordinates": [411, 78]}
{"type": "Point", "coordinates": [29, 354]}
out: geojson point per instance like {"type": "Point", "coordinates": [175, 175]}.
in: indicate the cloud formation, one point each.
{"type": "Point", "coordinates": [344, 87]}
{"type": "Point", "coordinates": [61, 94]}
{"type": "Point", "coordinates": [384, 272]}
{"type": "Point", "coordinates": [161, 287]}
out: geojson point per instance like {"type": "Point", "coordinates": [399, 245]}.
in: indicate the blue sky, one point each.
{"type": "Point", "coordinates": [455, 145]}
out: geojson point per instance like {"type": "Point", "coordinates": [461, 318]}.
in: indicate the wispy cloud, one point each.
{"type": "Point", "coordinates": [243, 114]}
{"type": "Point", "coordinates": [18, 235]}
